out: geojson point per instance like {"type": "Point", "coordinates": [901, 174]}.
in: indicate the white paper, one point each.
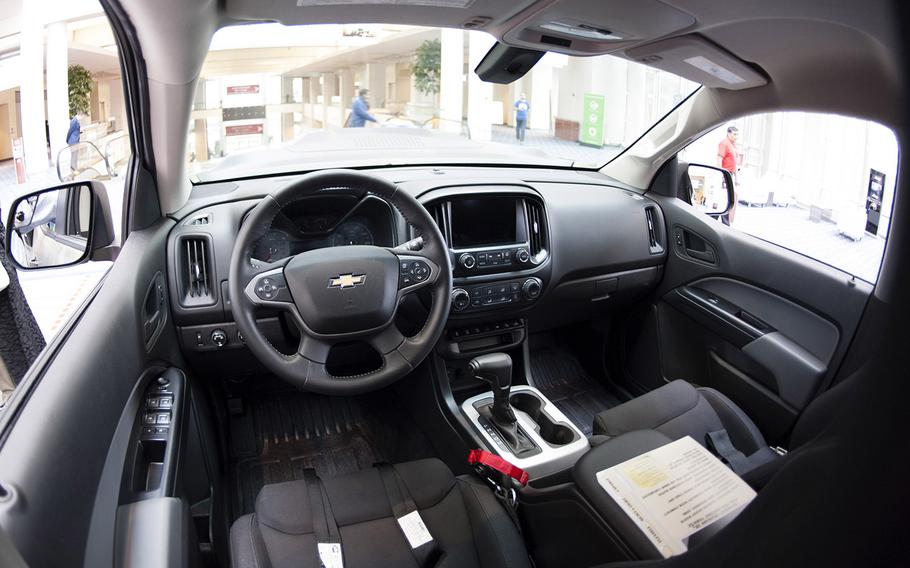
{"type": "Point", "coordinates": [414, 529]}
{"type": "Point", "coordinates": [330, 554]}
{"type": "Point", "coordinates": [674, 491]}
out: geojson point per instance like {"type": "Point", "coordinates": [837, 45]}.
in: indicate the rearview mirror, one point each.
{"type": "Point", "coordinates": [711, 189]}
{"type": "Point", "coordinates": [59, 226]}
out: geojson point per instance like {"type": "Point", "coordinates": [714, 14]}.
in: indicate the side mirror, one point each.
{"type": "Point", "coordinates": [60, 226]}
{"type": "Point", "coordinates": [711, 189]}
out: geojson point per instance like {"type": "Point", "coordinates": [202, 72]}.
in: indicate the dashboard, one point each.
{"type": "Point", "coordinates": [530, 250]}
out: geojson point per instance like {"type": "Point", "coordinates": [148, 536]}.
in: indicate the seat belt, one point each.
{"type": "Point", "coordinates": [325, 530]}
{"type": "Point", "coordinates": [504, 478]}
{"type": "Point", "coordinates": [720, 444]}
{"type": "Point", "coordinates": [423, 546]}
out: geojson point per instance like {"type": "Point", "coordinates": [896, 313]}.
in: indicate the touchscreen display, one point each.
{"type": "Point", "coordinates": [483, 222]}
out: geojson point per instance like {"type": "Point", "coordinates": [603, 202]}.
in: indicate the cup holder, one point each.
{"type": "Point", "coordinates": [551, 432]}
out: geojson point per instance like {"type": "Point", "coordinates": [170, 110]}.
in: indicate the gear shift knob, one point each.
{"type": "Point", "coordinates": [496, 369]}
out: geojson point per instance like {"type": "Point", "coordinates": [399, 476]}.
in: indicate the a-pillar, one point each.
{"type": "Point", "coordinates": [31, 56]}
{"type": "Point", "coordinates": [480, 93]}
{"type": "Point", "coordinates": [451, 78]}
{"type": "Point", "coordinates": [58, 118]}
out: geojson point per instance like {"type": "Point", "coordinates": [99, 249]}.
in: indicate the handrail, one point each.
{"type": "Point", "coordinates": [70, 149]}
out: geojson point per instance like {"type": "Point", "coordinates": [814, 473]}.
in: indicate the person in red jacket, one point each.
{"type": "Point", "coordinates": [727, 158]}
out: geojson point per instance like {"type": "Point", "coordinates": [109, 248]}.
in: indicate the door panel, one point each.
{"type": "Point", "coordinates": [59, 436]}
{"type": "Point", "coordinates": [765, 326]}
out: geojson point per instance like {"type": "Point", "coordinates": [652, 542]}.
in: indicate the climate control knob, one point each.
{"type": "Point", "coordinates": [460, 299]}
{"type": "Point", "coordinates": [522, 256]}
{"type": "Point", "coordinates": [532, 288]}
{"type": "Point", "coordinates": [467, 260]}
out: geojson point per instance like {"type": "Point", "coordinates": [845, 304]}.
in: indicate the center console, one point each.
{"type": "Point", "coordinates": [519, 423]}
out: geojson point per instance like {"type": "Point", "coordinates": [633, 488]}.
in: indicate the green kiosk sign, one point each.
{"type": "Point", "coordinates": [591, 132]}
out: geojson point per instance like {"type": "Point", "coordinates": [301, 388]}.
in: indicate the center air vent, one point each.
{"type": "Point", "coordinates": [440, 214]}
{"type": "Point", "coordinates": [195, 271]}
{"type": "Point", "coordinates": [537, 230]}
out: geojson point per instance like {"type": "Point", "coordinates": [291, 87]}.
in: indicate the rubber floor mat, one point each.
{"type": "Point", "coordinates": [559, 375]}
{"type": "Point", "coordinates": [278, 436]}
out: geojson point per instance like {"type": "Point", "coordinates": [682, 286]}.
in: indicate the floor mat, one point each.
{"type": "Point", "coordinates": [278, 436]}
{"type": "Point", "coordinates": [559, 375]}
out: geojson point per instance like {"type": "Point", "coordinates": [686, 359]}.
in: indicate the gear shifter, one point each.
{"type": "Point", "coordinates": [496, 369]}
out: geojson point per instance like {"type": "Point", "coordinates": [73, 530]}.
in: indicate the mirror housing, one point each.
{"type": "Point", "coordinates": [504, 64]}
{"type": "Point", "coordinates": [60, 226]}
{"type": "Point", "coordinates": [710, 189]}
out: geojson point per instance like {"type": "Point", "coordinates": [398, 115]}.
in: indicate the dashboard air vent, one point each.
{"type": "Point", "coordinates": [195, 271]}
{"type": "Point", "coordinates": [537, 232]}
{"type": "Point", "coordinates": [655, 234]}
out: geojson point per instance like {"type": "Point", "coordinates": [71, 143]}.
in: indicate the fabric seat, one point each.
{"type": "Point", "coordinates": [678, 409]}
{"type": "Point", "coordinates": [468, 523]}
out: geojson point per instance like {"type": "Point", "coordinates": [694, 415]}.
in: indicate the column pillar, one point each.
{"type": "Point", "coordinates": [58, 117]}
{"type": "Point", "coordinates": [539, 97]}
{"type": "Point", "coordinates": [479, 93]}
{"type": "Point", "coordinates": [31, 53]}
{"type": "Point", "coordinates": [374, 81]}
{"type": "Point", "coordinates": [347, 87]}
{"type": "Point", "coordinates": [451, 77]}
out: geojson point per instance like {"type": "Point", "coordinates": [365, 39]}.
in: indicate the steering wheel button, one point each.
{"type": "Point", "coordinates": [405, 266]}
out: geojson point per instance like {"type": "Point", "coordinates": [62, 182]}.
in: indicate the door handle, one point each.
{"type": "Point", "coordinates": [706, 255]}
{"type": "Point", "coordinates": [695, 246]}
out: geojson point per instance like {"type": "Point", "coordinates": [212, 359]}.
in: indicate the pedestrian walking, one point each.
{"type": "Point", "coordinates": [521, 118]}
{"type": "Point", "coordinates": [72, 139]}
{"type": "Point", "coordinates": [728, 159]}
{"type": "Point", "coordinates": [360, 111]}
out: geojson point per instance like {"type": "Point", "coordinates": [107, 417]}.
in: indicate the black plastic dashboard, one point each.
{"type": "Point", "coordinates": [540, 247]}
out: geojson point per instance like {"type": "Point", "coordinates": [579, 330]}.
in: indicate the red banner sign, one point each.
{"type": "Point", "coordinates": [243, 130]}
{"type": "Point", "coordinates": [243, 89]}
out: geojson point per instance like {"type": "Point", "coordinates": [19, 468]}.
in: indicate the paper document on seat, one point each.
{"type": "Point", "coordinates": [415, 530]}
{"type": "Point", "coordinates": [675, 491]}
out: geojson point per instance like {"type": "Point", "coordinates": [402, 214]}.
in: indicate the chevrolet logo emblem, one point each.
{"type": "Point", "coordinates": [347, 280]}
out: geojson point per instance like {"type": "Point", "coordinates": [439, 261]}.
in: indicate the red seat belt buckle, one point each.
{"type": "Point", "coordinates": [492, 461]}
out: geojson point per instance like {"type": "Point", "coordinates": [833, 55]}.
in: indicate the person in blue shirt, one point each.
{"type": "Point", "coordinates": [521, 118]}
{"type": "Point", "coordinates": [360, 111]}
{"type": "Point", "coordinates": [72, 138]}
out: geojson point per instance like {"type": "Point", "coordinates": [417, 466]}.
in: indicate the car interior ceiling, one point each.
{"type": "Point", "coordinates": [236, 394]}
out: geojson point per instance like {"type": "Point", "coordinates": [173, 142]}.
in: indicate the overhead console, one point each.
{"type": "Point", "coordinates": [578, 27]}
{"type": "Point", "coordinates": [497, 238]}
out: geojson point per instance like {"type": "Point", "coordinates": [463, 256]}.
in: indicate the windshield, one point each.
{"type": "Point", "coordinates": [275, 99]}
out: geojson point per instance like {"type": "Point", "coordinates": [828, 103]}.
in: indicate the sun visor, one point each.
{"type": "Point", "coordinates": [698, 60]}
{"type": "Point", "coordinates": [504, 64]}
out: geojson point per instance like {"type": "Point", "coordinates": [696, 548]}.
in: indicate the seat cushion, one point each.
{"type": "Point", "coordinates": [464, 517]}
{"type": "Point", "coordinates": [678, 409]}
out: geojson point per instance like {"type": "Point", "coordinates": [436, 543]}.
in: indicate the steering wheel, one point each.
{"type": "Point", "coordinates": [343, 293]}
